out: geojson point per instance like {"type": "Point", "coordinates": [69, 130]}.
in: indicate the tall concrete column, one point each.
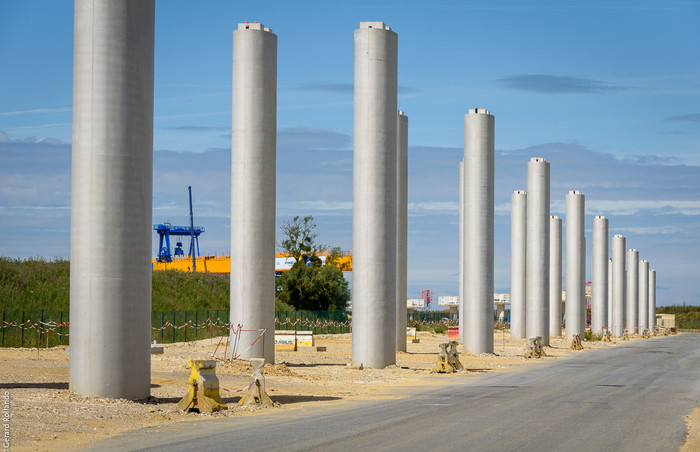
{"type": "Point", "coordinates": [461, 251]}
{"type": "Point", "coordinates": [374, 196]}
{"type": "Point", "coordinates": [253, 173]}
{"type": "Point", "coordinates": [643, 292]}
{"type": "Point", "coordinates": [401, 228]}
{"type": "Point", "coordinates": [652, 299]}
{"type": "Point", "coordinates": [632, 293]}
{"type": "Point", "coordinates": [610, 294]}
{"type": "Point", "coordinates": [537, 278]}
{"type": "Point", "coordinates": [599, 275]}
{"type": "Point", "coordinates": [518, 255]}
{"type": "Point", "coordinates": [555, 276]}
{"type": "Point", "coordinates": [575, 264]}
{"type": "Point", "coordinates": [478, 230]}
{"type": "Point", "coordinates": [619, 285]}
{"type": "Point", "coordinates": [111, 190]}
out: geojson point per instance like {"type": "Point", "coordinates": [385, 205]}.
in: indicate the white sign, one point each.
{"type": "Point", "coordinates": [501, 298]}
{"type": "Point", "coordinates": [448, 300]}
{"type": "Point", "coordinates": [415, 303]}
{"type": "Point", "coordinates": [286, 263]}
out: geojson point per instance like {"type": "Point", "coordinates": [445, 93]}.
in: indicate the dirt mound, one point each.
{"type": "Point", "coordinates": [238, 367]}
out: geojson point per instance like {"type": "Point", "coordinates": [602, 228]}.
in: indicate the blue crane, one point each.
{"type": "Point", "coordinates": [165, 230]}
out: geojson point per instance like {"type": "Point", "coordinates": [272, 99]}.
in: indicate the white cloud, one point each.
{"type": "Point", "coordinates": [652, 230]}
{"type": "Point", "coordinates": [317, 206]}
{"type": "Point", "coordinates": [37, 110]}
{"type": "Point", "coordinates": [650, 206]}
{"type": "Point", "coordinates": [40, 126]}
{"type": "Point", "coordinates": [433, 207]}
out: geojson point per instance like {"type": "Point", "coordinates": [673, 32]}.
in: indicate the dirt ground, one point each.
{"type": "Point", "coordinates": [45, 415]}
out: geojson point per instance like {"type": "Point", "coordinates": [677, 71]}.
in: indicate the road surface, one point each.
{"type": "Point", "coordinates": [627, 398]}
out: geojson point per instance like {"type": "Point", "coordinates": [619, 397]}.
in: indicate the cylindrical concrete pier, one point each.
{"type": "Point", "coordinates": [518, 248]}
{"type": "Point", "coordinates": [478, 230]}
{"type": "Point", "coordinates": [652, 299]}
{"type": "Point", "coordinates": [643, 293]}
{"type": "Point", "coordinates": [632, 294]}
{"type": "Point", "coordinates": [401, 228]}
{"type": "Point", "coordinates": [575, 264]}
{"type": "Point", "coordinates": [555, 265]}
{"type": "Point", "coordinates": [112, 191]}
{"type": "Point", "coordinates": [619, 285]}
{"type": "Point", "coordinates": [610, 293]}
{"type": "Point", "coordinates": [537, 278]}
{"type": "Point", "coordinates": [599, 275]}
{"type": "Point", "coordinates": [461, 251]}
{"type": "Point", "coordinates": [253, 173]}
{"type": "Point", "coordinates": [374, 196]}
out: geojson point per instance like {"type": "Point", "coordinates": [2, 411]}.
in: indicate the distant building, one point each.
{"type": "Point", "coordinates": [666, 320]}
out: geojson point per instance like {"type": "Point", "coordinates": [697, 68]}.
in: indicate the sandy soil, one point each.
{"type": "Point", "coordinates": [45, 415]}
{"type": "Point", "coordinates": [692, 441]}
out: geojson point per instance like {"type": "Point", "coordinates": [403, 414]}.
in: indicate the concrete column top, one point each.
{"type": "Point", "coordinates": [375, 24]}
{"type": "Point", "coordinates": [478, 111]}
{"type": "Point", "coordinates": [253, 26]}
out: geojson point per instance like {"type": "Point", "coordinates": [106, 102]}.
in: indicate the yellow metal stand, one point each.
{"type": "Point", "coordinates": [256, 394]}
{"type": "Point", "coordinates": [576, 342]}
{"type": "Point", "coordinates": [534, 348]}
{"type": "Point", "coordinates": [203, 393]}
{"type": "Point", "coordinates": [448, 359]}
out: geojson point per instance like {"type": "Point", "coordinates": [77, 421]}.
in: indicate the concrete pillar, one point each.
{"type": "Point", "coordinates": [478, 230]}
{"type": "Point", "coordinates": [619, 285]}
{"type": "Point", "coordinates": [253, 172]}
{"type": "Point", "coordinates": [643, 292]}
{"type": "Point", "coordinates": [112, 193]}
{"type": "Point", "coordinates": [610, 294]}
{"type": "Point", "coordinates": [461, 251]}
{"type": "Point", "coordinates": [652, 299]}
{"type": "Point", "coordinates": [401, 228]}
{"type": "Point", "coordinates": [599, 275]}
{"type": "Point", "coordinates": [555, 276]}
{"type": "Point", "coordinates": [537, 278]}
{"type": "Point", "coordinates": [374, 196]}
{"type": "Point", "coordinates": [632, 294]}
{"type": "Point", "coordinates": [575, 264]}
{"type": "Point", "coordinates": [518, 248]}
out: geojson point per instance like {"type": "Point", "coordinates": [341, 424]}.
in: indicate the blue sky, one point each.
{"type": "Point", "coordinates": [607, 91]}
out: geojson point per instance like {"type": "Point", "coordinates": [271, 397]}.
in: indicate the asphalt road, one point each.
{"type": "Point", "coordinates": [627, 398]}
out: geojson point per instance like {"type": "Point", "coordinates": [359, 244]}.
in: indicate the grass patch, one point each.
{"type": "Point", "coordinates": [590, 337]}
{"type": "Point", "coordinates": [438, 329]}
{"type": "Point", "coordinates": [36, 284]}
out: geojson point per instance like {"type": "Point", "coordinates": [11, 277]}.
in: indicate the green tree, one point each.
{"type": "Point", "coordinates": [310, 285]}
{"type": "Point", "coordinates": [300, 238]}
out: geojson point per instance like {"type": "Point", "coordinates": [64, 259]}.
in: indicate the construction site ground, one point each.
{"type": "Point", "coordinates": [45, 415]}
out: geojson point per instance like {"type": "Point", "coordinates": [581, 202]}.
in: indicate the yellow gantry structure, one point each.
{"type": "Point", "coordinates": [222, 264]}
